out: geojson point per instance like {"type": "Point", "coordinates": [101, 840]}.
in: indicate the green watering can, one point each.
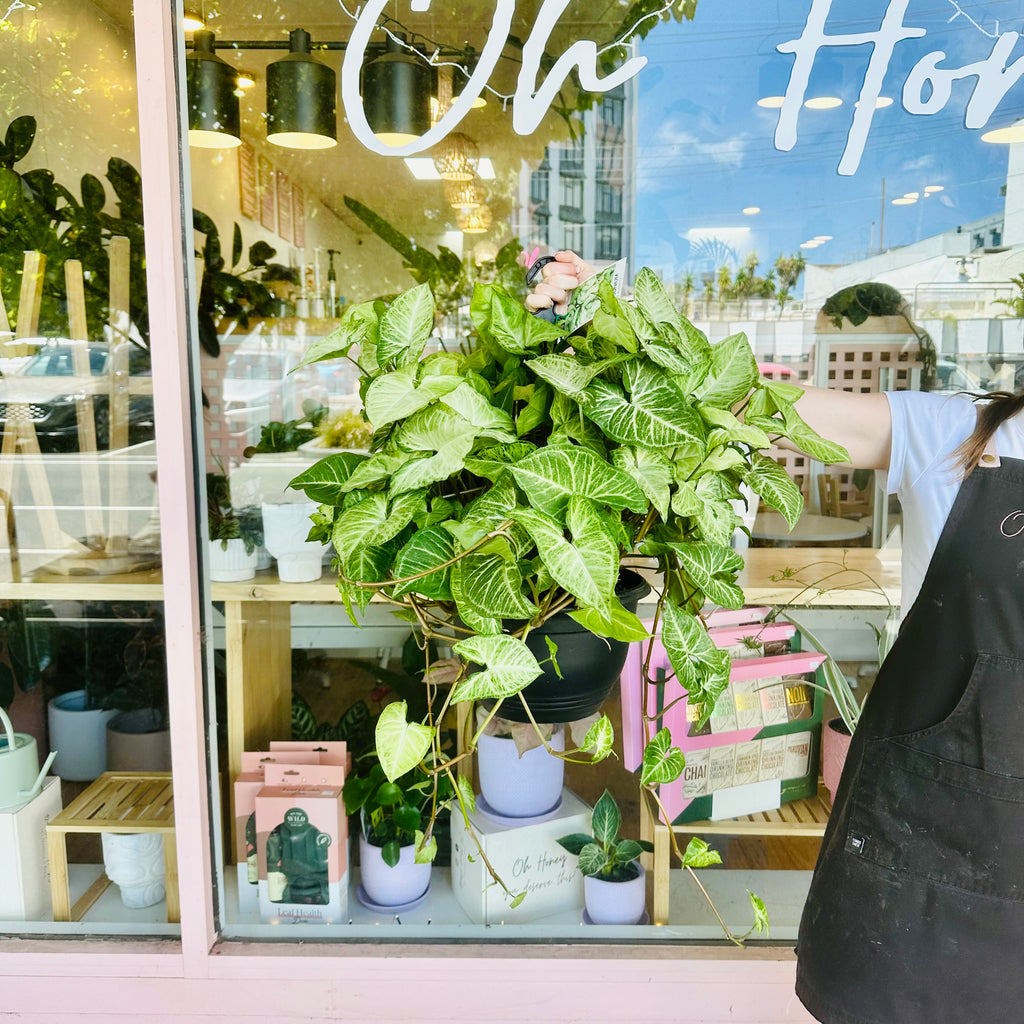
{"type": "Point", "coordinates": [19, 779]}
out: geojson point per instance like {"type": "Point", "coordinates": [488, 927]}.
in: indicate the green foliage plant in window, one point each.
{"type": "Point", "coordinates": [505, 486]}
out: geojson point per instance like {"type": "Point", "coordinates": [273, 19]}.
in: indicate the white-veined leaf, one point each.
{"type": "Point", "coordinates": [621, 624]}
{"type": "Point", "coordinates": [494, 587]}
{"type": "Point", "coordinates": [587, 568]}
{"type": "Point", "coordinates": [396, 395]}
{"type": "Point", "coordinates": [401, 745]}
{"type": "Point", "coordinates": [655, 413]}
{"type": "Point", "coordinates": [508, 667]}
{"type": "Point", "coordinates": [605, 819]}
{"type": "Point", "coordinates": [326, 481]}
{"type": "Point", "coordinates": [733, 372]}
{"type": "Point", "coordinates": [477, 410]}
{"type": "Point", "coordinates": [713, 567]}
{"type": "Point", "coordinates": [651, 470]}
{"type": "Point", "coordinates": [699, 855]}
{"type": "Point", "coordinates": [700, 667]}
{"type": "Point", "coordinates": [422, 552]}
{"type": "Point", "coordinates": [405, 327]}
{"type": "Point", "coordinates": [768, 479]}
{"type": "Point", "coordinates": [551, 476]}
{"type": "Point", "coordinates": [600, 739]}
{"type": "Point", "coordinates": [662, 763]}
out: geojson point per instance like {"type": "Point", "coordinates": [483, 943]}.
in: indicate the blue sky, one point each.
{"type": "Point", "coordinates": [706, 149]}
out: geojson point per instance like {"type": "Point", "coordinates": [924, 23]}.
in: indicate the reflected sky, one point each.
{"type": "Point", "coordinates": [706, 149]}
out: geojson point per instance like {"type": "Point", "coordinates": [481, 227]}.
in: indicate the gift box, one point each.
{"type": "Point", "coordinates": [528, 859]}
{"type": "Point", "coordinates": [759, 748]}
{"type": "Point", "coordinates": [24, 865]}
{"type": "Point", "coordinates": [302, 845]}
{"type": "Point", "coordinates": [246, 785]}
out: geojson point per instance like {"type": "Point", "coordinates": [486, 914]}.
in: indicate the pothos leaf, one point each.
{"type": "Point", "coordinates": [662, 763]}
{"type": "Point", "coordinates": [699, 855]}
{"type": "Point", "coordinates": [401, 745]}
{"type": "Point", "coordinates": [508, 667]}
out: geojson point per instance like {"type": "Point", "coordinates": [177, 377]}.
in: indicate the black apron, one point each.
{"type": "Point", "coordinates": [916, 908]}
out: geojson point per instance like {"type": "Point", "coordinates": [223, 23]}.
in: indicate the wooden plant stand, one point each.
{"type": "Point", "coordinates": [123, 802]}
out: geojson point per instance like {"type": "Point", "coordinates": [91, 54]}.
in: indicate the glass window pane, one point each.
{"type": "Point", "coordinates": [82, 665]}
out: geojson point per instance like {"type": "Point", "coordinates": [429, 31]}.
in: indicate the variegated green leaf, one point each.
{"type": "Point", "coordinates": [600, 739]}
{"type": "Point", "coordinates": [477, 410]}
{"type": "Point", "coordinates": [768, 479]}
{"type": "Point", "coordinates": [605, 819]}
{"type": "Point", "coordinates": [733, 372]}
{"type": "Point", "coordinates": [508, 667]}
{"type": "Point", "coordinates": [401, 745]}
{"type": "Point", "coordinates": [589, 566]}
{"type": "Point", "coordinates": [422, 552]}
{"type": "Point", "coordinates": [811, 442]}
{"type": "Point", "coordinates": [490, 463]}
{"type": "Point", "coordinates": [699, 855]}
{"type": "Point", "coordinates": [551, 476]}
{"type": "Point", "coordinates": [422, 472]}
{"type": "Point", "coordinates": [370, 522]}
{"type": "Point", "coordinates": [621, 624]}
{"type": "Point", "coordinates": [335, 345]}
{"type": "Point", "coordinates": [396, 395]}
{"type": "Point", "coordinates": [662, 763]}
{"type": "Point", "coordinates": [654, 302]}
{"type": "Point", "coordinates": [494, 587]}
{"type": "Point", "coordinates": [373, 469]}
{"type": "Point", "coordinates": [654, 414]}
{"type": "Point", "coordinates": [424, 850]}
{"type": "Point", "coordinates": [700, 667]}
{"type": "Point", "coordinates": [405, 327]}
{"type": "Point", "coordinates": [326, 481]}
{"type": "Point", "coordinates": [567, 374]}
{"type": "Point", "coordinates": [651, 470]}
{"type": "Point", "coordinates": [482, 624]}
{"type": "Point", "coordinates": [713, 567]}
{"type": "Point", "coordinates": [592, 860]}
{"type": "Point", "coordinates": [514, 329]}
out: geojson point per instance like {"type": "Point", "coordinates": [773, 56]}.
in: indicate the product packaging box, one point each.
{"type": "Point", "coordinates": [760, 747]}
{"type": "Point", "coordinates": [328, 751]}
{"type": "Point", "coordinates": [246, 786]}
{"type": "Point", "coordinates": [24, 865]}
{"type": "Point", "coordinates": [302, 845]}
{"type": "Point", "coordinates": [529, 860]}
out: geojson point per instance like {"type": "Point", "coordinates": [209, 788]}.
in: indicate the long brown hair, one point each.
{"type": "Point", "coordinates": [991, 416]}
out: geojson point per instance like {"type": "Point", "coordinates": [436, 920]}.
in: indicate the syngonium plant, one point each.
{"type": "Point", "coordinates": [506, 484]}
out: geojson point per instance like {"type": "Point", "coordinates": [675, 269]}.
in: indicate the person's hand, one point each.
{"type": "Point", "coordinates": [558, 280]}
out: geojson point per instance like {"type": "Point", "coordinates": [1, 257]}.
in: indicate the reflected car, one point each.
{"type": "Point", "coordinates": [951, 378]}
{"type": "Point", "coordinates": [48, 386]}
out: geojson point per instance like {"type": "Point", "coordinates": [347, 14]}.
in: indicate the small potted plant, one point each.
{"type": "Point", "coordinates": [614, 884]}
{"type": "Point", "coordinates": [233, 539]}
{"type": "Point", "coordinates": [396, 842]}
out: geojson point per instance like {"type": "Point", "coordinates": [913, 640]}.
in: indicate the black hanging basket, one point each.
{"type": "Point", "coordinates": [590, 664]}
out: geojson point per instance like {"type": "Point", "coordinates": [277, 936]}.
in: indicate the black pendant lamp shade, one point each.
{"type": "Point", "coordinates": [212, 85]}
{"type": "Point", "coordinates": [396, 95]}
{"type": "Point", "coordinates": [301, 99]}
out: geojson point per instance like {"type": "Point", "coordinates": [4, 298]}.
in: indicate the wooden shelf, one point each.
{"type": "Point", "coordinates": [806, 817]}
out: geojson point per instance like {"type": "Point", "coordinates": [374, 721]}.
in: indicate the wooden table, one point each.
{"type": "Point", "coordinates": [810, 529]}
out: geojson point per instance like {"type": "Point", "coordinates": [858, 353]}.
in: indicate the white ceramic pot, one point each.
{"type": "Point", "coordinates": [616, 902]}
{"type": "Point", "coordinates": [520, 787]}
{"type": "Point", "coordinates": [135, 863]}
{"type": "Point", "coordinates": [391, 886]}
{"type": "Point", "coordinates": [285, 528]}
{"type": "Point", "coordinates": [79, 735]}
{"type": "Point", "coordinates": [231, 563]}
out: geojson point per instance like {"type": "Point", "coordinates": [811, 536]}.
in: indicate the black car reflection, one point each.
{"type": "Point", "coordinates": [47, 385]}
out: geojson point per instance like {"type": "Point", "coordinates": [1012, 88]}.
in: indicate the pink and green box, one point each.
{"type": "Point", "coordinates": [759, 749]}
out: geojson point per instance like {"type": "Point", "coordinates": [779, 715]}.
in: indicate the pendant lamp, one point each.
{"type": "Point", "coordinates": [193, 20]}
{"type": "Point", "coordinates": [824, 89]}
{"type": "Point", "coordinates": [397, 87]}
{"type": "Point", "coordinates": [460, 77]}
{"type": "Point", "coordinates": [475, 221]}
{"type": "Point", "coordinates": [212, 87]}
{"type": "Point", "coordinates": [465, 195]}
{"type": "Point", "coordinates": [1011, 133]}
{"type": "Point", "coordinates": [301, 98]}
{"type": "Point", "coordinates": [456, 157]}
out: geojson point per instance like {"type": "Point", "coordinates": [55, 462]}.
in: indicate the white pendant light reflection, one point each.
{"type": "Point", "coordinates": [194, 19]}
{"type": "Point", "coordinates": [465, 195]}
{"type": "Point", "coordinates": [825, 85]}
{"type": "Point", "coordinates": [1011, 133]}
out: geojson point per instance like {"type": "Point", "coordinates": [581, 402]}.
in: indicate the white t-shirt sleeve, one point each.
{"type": "Point", "coordinates": [926, 428]}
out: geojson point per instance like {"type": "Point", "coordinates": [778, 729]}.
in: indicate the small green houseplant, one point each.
{"type": "Point", "coordinates": [506, 484]}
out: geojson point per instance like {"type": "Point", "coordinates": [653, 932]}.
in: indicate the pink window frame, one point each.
{"type": "Point", "coordinates": [202, 979]}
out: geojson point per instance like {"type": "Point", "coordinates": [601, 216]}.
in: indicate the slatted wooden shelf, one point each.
{"type": "Point", "coordinates": [797, 818]}
{"type": "Point", "coordinates": [121, 802]}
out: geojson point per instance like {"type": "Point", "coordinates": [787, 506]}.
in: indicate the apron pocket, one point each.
{"type": "Point", "coordinates": [984, 729]}
{"type": "Point", "coordinates": [917, 814]}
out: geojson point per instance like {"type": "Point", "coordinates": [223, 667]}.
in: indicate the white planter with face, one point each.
{"type": "Point", "coordinates": [285, 528]}
{"type": "Point", "coordinates": [135, 863]}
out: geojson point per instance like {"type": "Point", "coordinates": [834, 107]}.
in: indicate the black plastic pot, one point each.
{"type": "Point", "coordinates": [590, 664]}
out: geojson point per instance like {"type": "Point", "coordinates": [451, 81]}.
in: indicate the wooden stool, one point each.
{"type": "Point", "coordinates": [124, 802]}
